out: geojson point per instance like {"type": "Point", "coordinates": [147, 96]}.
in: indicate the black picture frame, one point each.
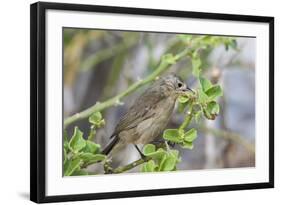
{"type": "Point", "coordinates": [38, 100]}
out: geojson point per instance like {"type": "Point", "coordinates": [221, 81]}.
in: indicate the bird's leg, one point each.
{"type": "Point", "coordinates": [141, 154]}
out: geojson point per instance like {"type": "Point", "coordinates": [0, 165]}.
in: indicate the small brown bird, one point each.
{"type": "Point", "coordinates": [148, 116]}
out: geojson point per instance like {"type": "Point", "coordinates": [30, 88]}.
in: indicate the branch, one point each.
{"type": "Point", "coordinates": [188, 118]}
{"type": "Point", "coordinates": [231, 136]}
{"type": "Point", "coordinates": [131, 165]}
{"type": "Point", "coordinates": [163, 66]}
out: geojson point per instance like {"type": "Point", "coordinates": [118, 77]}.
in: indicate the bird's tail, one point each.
{"type": "Point", "coordinates": [108, 148]}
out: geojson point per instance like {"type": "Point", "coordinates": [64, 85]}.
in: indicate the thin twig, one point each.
{"type": "Point", "coordinates": [131, 165]}
{"type": "Point", "coordinates": [188, 119]}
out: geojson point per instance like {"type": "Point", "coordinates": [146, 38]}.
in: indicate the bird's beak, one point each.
{"type": "Point", "coordinates": [187, 89]}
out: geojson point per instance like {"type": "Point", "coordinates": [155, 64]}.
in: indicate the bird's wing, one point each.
{"type": "Point", "coordinates": [142, 109]}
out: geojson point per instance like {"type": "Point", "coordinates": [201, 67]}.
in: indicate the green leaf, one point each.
{"type": "Point", "coordinates": [102, 122]}
{"type": "Point", "coordinates": [213, 108]}
{"type": "Point", "coordinates": [172, 135]}
{"type": "Point", "coordinates": [149, 148]}
{"type": "Point", "coordinates": [165, 160]}
{"type": "Point", "coordinates": [149, 166]}
{"type": "Point", "coordinates": [183, 99]}
{"type": "Point", "coordinates": [91, 147]}
{"type": "Point", "coordinates": [197, 116]}
{"type": "Point", "coordinates": [202, 96]}
{"type": "Point", "coordinates": [169, 59]}
{"type": "Point", "coordinates": [162, 161]}
{"type": "Point", "coordinates": [158, 154]}
{"type": "Point", "coordinates": [205, 84]}
{"type": "Point", "coordinates": [208, 115]}
{"type": "Point", "coordinates": [190, 135]}
{"type": "Point", "coordinates": [95, 118]}
{"type": "Point", "coordinates": [214, 92]}
{"type": "Point", "coordinates": [89, 158]}
{"type": "Point", "coordinates": [77, 141]}
{"type": "Point", "coordinates": [182, 106]}
{"type": "Point", "coordinates": [176, 154]}
{"type": "Point", "coordinates": [71, 166]}
{"type": "Point", "coordinates": [188, 145]}
{"type": "Point", "coordinates": [196, 64]}
{"type": "Point", "coordinates": [168, 163]}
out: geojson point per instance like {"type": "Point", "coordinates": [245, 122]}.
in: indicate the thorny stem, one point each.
{"type": "Point", "coordinates": [131, 165]}
{"type": "Point", "coordinates": [163, 66]}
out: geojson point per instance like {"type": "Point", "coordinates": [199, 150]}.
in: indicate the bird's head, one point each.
{"type": "Point", "coordinates": [174, 86]}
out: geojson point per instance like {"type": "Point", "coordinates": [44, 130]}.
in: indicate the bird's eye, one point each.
{"type": "Point", "coordinates": [180, 85]}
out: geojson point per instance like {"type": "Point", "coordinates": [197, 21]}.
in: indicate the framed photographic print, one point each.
{"type": "Point", "coordinates": [129, 102]}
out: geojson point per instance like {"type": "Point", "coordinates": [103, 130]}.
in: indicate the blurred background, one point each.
{"type": "Point", "coordinates": [99, 64]}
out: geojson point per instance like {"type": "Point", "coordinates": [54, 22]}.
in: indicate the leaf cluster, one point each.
{"type": "Point", "coordinates": [161, 159]}
{"type": "Point", "coordinates": [203, 103]}
{"type": "Point", "coordinates": [79, 152]}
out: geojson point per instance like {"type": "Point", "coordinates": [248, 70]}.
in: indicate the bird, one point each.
{"type": "Point", "coordinates": [149, 115]}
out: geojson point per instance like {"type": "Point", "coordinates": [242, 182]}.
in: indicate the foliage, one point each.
{"type": "Point", "coordinates": [80, 153]}
{"type": "Point", "coordinates": [161, 160]}
{"type": "Point", "coordinates": [202, 103]}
